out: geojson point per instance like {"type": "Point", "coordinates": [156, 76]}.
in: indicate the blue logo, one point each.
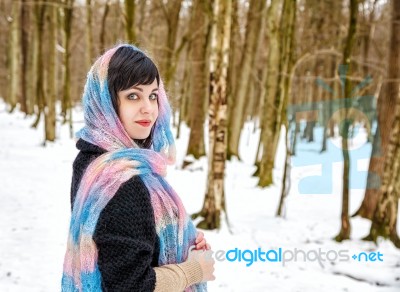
{"type": "Point", "coordinates": [284, 256]}
{"type": "Point", "coordinates": [368, 257]}
{"type": "Point", "coordinates": [361, 110]}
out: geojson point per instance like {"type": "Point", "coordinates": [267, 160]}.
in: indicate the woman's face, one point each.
{"type": "Point", "coordinates": [138, 109]}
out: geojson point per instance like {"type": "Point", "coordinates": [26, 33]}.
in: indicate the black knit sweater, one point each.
{"type": "Point", "coordinates": [125, 235]}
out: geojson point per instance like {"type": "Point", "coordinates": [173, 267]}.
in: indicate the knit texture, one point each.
{"type": "Point", "coordinates": [125, 233]}
{"type": "Point", "coordinates": [175, 277]}
{"type": "Point", "coordinates": [106, 175]}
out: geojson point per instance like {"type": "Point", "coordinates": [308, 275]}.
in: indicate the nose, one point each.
{"type": "Point", "coordinates": [146, 107]}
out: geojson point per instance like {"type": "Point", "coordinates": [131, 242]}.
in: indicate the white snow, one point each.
{"type": "Point", "coordinates": [35, 210]}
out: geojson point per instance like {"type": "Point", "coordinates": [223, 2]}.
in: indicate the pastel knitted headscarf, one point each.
{"type": "Point", "coordinates": [103, 177]}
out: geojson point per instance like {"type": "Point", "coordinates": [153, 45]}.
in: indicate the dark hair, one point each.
{"type": "Point", "coordinates": [129, 67]}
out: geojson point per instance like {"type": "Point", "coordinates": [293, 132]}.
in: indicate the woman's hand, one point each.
{"type": "Point", "coordinates": [201, 243]}
{"type": "Point", "coordinates": [206, 261]}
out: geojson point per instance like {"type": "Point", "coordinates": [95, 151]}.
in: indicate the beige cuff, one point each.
{"type": "Point", "coordinates": [177, 277]}
{"type": "Point", "coordinates": [193, 272]}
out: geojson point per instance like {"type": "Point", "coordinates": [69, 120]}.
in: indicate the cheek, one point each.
{"type": "Point", "coordinates": [123, 116]}
{"type": "Point", "coordinates": [156, 111]}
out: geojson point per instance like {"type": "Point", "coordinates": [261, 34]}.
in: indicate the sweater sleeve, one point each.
{"type": "Point", "coordinates": [177, 277]}
{"type": "Point", "coordinates": [125, 237]}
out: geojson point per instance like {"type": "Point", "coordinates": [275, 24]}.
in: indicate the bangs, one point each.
{"type": "Point", "coordinates": [143, 71]}
{"type": "Point", "coordinates": [129, 67]}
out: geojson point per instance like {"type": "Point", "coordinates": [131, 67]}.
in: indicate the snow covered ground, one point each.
{"type": "Point", "coordinates": [34, 217]}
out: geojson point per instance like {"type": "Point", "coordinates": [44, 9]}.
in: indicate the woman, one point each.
{"type": "Point", "coordinates": [129, 230]}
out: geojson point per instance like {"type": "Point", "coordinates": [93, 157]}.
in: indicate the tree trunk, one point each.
{"type": "Point", "coordinates": [271, 88]}
{"type": "Point", "coordinates": [345, 70]}
{"type": "Point", "coordinates": [50, 108]}
{"type": "Point", "coordinates": [198, 50]}
{"type": "Point", "coordinates": [384, 222]}
{"type": "Point", "coordinates": [255, 87]}
{"type": "Point", "coordinates": [24, 23]}
{"type": "Point", "coordinates": [288, 54]}
{"type": "Point", "coordinates": [142, 16]}
{"type": "Point", "coordinates": [89, 34]}
{"type": "Point", "coordinates": [171, 13]}
{"type": "Point", "coordinates": [33, 64]}
{"type": "Point", "coordinates": [103, 25]}
{"type": "Point", "coordinates": [386, 102]}
{"type": "Point", "coordinates": [67, 26]}
{"type": "Point", "coordinates": [184, 96]}
{"type": "Point", "coordinates": [40, 10]}
{"type": "Point", "coordinates": [286, 175]}
{"type": "Point", "coordinates": [328, 110]}
{"type": "Point", "coordinates": [118, 23]}
{"type": "Point", "coordinates": [272, 127]}
{"type": "Point", "coordinates": [286, 93]}
{"type": "Point", "coordinates": [14, 56]}
{"type": "Point", "coordinates": [234, 56]}
{"type": "Point", "coordinates": [254, 19]}
{"type": "Point", "coordinates": [214, 203]}
{"type": "Point", "coordinates": [129, 17]}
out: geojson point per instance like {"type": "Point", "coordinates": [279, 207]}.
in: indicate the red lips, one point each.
{"type": "Point", "coordinates": [144, 123]}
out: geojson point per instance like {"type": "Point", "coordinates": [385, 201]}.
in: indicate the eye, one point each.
{"type": "Point", "coordinates": [132, 96]}
{"type": "Point", "coordinates": [153, 96]}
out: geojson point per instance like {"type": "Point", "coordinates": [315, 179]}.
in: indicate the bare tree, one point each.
{"type": "Point", "coordinates": [24, 23]}
{"type": "Point", "coordinates": [129, 21]}
{"type": "Point", "coordinates": [254, 19]}
{"type": "Point", "coordinates": [214, 202]}
{"type": "Point", "coordinates": [384, 220]}
{"type": "Point", "coordinates": [103, 25]}
{"type": "Point", "coordinates": [51, 88]}
{"type": "Point", "coordinates": [234, 58]}
{"type": "Point", "coordinates": [386, 102]}
{"type": "Point", "coordinates": [66, 19]}
{"type": "Point", "coordinates": [33, 63]}
{"type": "Point", "coordinates": [89, 34]}
{"type": "Point", "coordinates": [171, 14]}
{"type": "Point", "coordinates": [198, 95]}
{"type": "Point", "coordinates": [38, 72]}
{"type": "Point", "coordinates": [347, 55]}
{"type": "Point", "coordinates": [288, 52]}
{"type": "Point", "coordinates": [14, 55]}
{"type": "Point", "coordinates": [271, 88]}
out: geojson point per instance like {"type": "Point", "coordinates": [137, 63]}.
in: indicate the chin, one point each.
{"type": "Point", "coordinates": [140, 137]}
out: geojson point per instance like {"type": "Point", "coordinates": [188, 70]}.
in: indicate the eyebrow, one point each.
{"type": "Point", "coordinates": [141, 90]}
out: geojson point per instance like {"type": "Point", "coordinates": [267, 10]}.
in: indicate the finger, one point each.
{"type": "Point", "coordinates": [201, 244]}
{"type": "Point", "coordinates": [200, 236]}
{"type": "Point", "coordinates": [208, 246]}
